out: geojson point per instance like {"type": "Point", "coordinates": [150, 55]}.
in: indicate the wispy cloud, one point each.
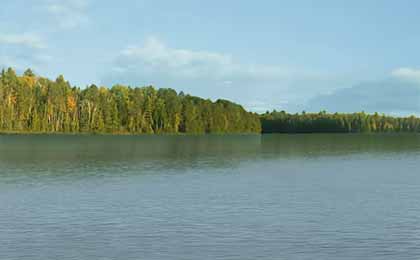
{"type": "Point", "coordinates": [407, 74]}
{"type": "Point", "coordinates": [69, 14]}
{"type": "Point", "coordinates": [23, 50]}
{"type": "Point", "coordinates": [213, 75]}
{"type": "Point", "coordinates": [156, 57]}
{"type": "Point", "coordinates": [21, 61]}
{"type": "Point", "coordinates": [29, 40]}
{"type": "Point", "coordinates": [261, 106]}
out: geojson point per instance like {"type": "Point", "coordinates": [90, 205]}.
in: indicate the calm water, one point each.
{"type": "Point", "coordinates": [210, 197]}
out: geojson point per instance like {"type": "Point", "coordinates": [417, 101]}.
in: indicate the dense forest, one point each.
{"type": "Point", "coordinates": [36, 104]}
{"type": "Point", "coordinates": [32, 104]}
{"type": "Point", "coordinates": [322, 122]}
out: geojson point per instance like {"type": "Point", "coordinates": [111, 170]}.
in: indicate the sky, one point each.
{"type": "Point", "coordinates": [339, 56]}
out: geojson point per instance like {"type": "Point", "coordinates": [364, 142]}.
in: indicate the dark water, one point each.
{"type": "Point", "coordinates": [210, 197]}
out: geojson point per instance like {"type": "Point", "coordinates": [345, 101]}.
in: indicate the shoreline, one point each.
{"type": "Point", "coordinates": [18, 133]}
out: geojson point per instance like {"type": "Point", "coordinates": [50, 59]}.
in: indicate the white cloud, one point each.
{"type": "Point", "coordinates": [213, 75]}
{"type": "Point", "coordinates": [34, 61]}
{"type": "Point", "coordinates": [155, 56]}
{"type": "Point", "coordinates": [261, 106]}
{"type": "Point", "coordinates": [407, 74]}
{"type": "Point", "coordinates": [68, 14]}
{"type": "Point", "coordinates": [24, 50]}
{"type": "Point", "coordinates": [29, 40]}
{"type": "Point", "coordinates": [227, 83]}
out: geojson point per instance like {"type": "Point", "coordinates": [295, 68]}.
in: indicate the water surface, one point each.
{"type": "Point", "coordinates": [210, 197]}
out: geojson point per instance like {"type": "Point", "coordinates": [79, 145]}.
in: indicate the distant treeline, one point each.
{"type": "Point", "coordinates": [32, 104]}
{"type": "Point", "coordinates": [322, 122]}
{"type": "Point", "coordinates": [35, 104]}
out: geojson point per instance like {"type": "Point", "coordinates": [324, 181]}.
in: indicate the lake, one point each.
{"type": "Point", "coordinates": [320, 196]}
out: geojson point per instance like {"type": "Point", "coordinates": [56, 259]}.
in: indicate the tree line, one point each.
{"type": "Point", "coordinates": [30, 103]}
{"type": "Point", "coordinates": [37, 104]}
{"type": "Point", "coordinates": [322, 122]}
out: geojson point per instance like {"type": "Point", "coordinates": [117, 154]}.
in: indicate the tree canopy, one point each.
{"type": "Point", "coordinates": [322, 122]}
{"type": "Point", "coordinates": [37, 104]}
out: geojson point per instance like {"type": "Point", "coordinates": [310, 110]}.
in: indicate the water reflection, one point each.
{"type": "Point", "coordinates": [319, 145]}
{"type": "Point", "coordinates": [58, 155]}
{"type": "Point", "coordinates": [209, 197]}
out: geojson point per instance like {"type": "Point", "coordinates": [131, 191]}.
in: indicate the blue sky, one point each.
{"type": "Point", "coordinates": [293, 55]}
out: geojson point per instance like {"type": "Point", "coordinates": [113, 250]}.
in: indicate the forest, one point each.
{"type": "Point", "coordinates": [32, 104]}
{"type": "Point", "coordinates": [323, 122]}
